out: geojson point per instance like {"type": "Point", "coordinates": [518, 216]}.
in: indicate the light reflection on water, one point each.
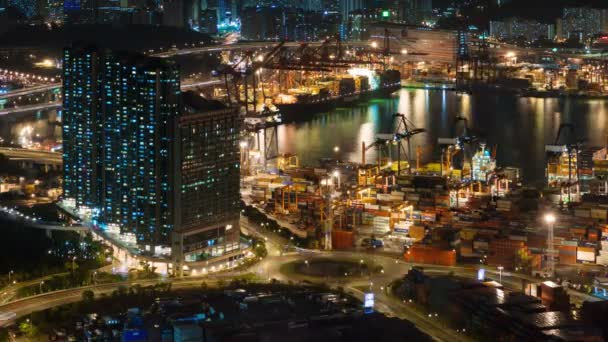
{"type": "Point", "coordinates": [520, 127]}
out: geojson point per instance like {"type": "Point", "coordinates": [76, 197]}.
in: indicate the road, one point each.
{"type": "Point", "coordinates": [31, 108]}
{"type": "Point", "coordinates": [46, 157]}
{"type": "Point", "coordinates": [392, 269]}
{"type": "Point", "coordinates": [31, 90]}
{"type": "Point", "coordinates": [58, 104]}
{"type": "Point", "coordinates": [48, 300]}
{"type": "Point", "coordinates": [269, 268]}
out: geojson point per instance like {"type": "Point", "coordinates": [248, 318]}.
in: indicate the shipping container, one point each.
{"type": "Point", "coordinates": [417, 232]}
{"type": "Point", "coordinates": [598, 213]}
{"type": "Point", "coordinates": [342, 239]}
{"type": "Point", "coordinates": [584, 213]}
{"type": "Point", "coordinates": [585, 254]}
{"type": "Point", "coordinates": [430, 255]}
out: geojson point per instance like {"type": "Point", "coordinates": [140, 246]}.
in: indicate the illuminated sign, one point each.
{"type": "Point", "coordinates": [481, 274]}
{"type": "Point", "coordinates": [385, 14]}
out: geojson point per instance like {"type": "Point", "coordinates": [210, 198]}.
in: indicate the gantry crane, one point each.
{"type": "Point", "coordinates": [382, 145]}
{"type": "Point", "coordinates": [466, 140]}
{"type": "Point", "coordinates": [571, 147]}
{"type": "Point", "coordinates": [260, 127]}
{"type": "Point", "coordinates": [450, 147]}
{"type": "Point", "coordinates": [405, 131]}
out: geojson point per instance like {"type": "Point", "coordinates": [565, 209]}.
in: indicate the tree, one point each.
{"type": "Point", "coordinates": [71, 266]}
{"type": "Point", "coordinates": [260, 249]}
{"type": "Point", "coordinates": [28, 329]}
{"type": "Point", "coordinates": [523, 260]}
{"type": "Point", "coordinates": [4, 337]}
{"type": "Point", "coordinates": [88, 295]}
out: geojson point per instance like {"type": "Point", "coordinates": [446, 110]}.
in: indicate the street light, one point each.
{"type": "Point", "coordinates": [41, 283]}
{"type": "Point", "coordinates": [336, 149]}
{"type": "Point", "coordinates": [404, 51]}
{"type": "Point", "coordinates": [500, 268]}
{"type": "Point", "coordinates": [374, 45]}
{"type": "Point", "coordinates": [337, 175]}
{"type": "Point", "coordinates": [9, 275]}
{"type": "Point", "coordinates": [550, 221]}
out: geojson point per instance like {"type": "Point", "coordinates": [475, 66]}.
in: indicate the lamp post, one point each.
{"type": "Point", "coordinates": [500, 268]}
{"type": "Point", "coordinates": [337, 175]}
{"type": "Point", "coordinates": [41, 283]}
{"type": "Point", "coordinates": [9, 276]}
{"type": "Point", "coordinates": [550, 221]}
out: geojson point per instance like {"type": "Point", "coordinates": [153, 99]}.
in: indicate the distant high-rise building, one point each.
{"type": "Point", "coordinates": [263, 23]}
{"type": "Point", "coordinates": [512, 28]}
{"type": "Point", "coordinates": [54, 10]}
{"type": "Point", "coordinates": [415, 12]}
{"type": "Point", "coordinates": [4, 24]}
{"type": "Point", "coordinates": [500, 3]}
{"type": "Point", "coordinates": [581, 22]}
{"type": "Point", "coordinates": [348, 6]}
{"type": "Point", "coordinates": [208, 21]}
{"type": "Point", "coordinates": [28, 8]}
{"type": "Point", "coordinates": [156, 169]}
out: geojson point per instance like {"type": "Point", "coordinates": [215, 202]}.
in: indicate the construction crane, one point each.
{"type": "Point", "coordinates": [405, 131]}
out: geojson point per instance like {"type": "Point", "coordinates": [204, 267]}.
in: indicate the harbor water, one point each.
{"type": "Point", "coordinates": [519, 127]}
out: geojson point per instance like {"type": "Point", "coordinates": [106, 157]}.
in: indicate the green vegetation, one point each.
{"type": "Point", "coordinates": [259, 248]}
{"type": "Point", "coordinates": [523, 261]}
{"type": "Point", "coordinates": [88, 296]}
{"type": "Point", "coordinates": [257, 217]}
{"type": "Point", "coordinates": [28, 329]}
{"type": "Point", "coordinates": [29, 254]}
{"type": "Point", "coordinates": [118, 301]}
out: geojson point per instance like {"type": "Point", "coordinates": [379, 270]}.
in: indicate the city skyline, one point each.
{"type": "Point", "coordinates": [416, 170]}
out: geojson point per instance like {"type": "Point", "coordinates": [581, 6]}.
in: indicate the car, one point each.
{"type": "Point", "coordinates": [376, 243]}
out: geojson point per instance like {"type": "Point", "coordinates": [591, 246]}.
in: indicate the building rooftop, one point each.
{"type": "Point", "coordinates": [545, 320]}
{"type": "Point", "coordinates": [194, 103]}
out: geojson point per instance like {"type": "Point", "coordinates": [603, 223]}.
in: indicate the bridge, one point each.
{"type": "Point", "coordinates": [31, 108]}
{"type": "Point", "coordinates": [32, 222]}
{"type": "Point", "coordinates": [28, 158]}
{"type": "Point", "coordinates": [31, 90]}
{"type": "Point", "coordinates": [232, 47]}
{"type": "Point", "coordinates": [58, 104]}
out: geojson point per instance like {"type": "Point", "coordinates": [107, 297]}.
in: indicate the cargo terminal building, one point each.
{"type": "Point", "coordinates": [152, 170]}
